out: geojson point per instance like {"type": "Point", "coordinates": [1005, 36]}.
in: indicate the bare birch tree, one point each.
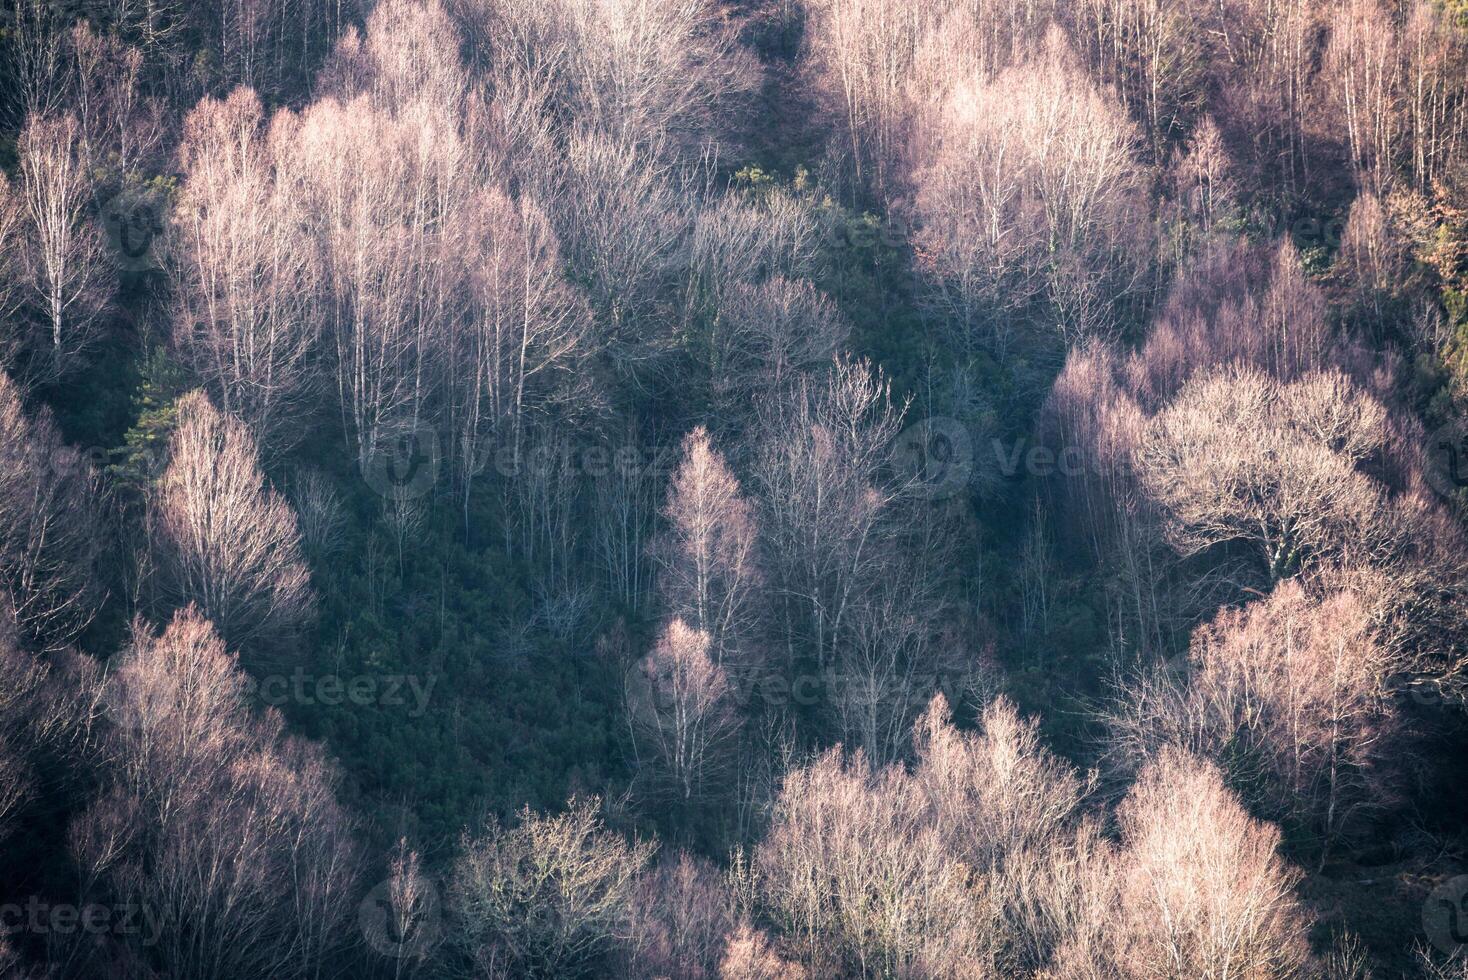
{"type": "Point", "coordinates": [821, 475]}
{"type": "Point", "coordinates": [549, 896]}
{"type": "Point", "coordinates": [68, 277]}
{"type": "Point", "coordinates": [223, 828]}
{"type": "Point", "coordinates": [1027, 190]}
{"type": "Point", "coordinates": [1204, 892]}
{"type": "Point", "coordinates": [709, 570]}
{"type": "Point", "coordinates": [245, 319]}
{"type": "Point", "coordinates": [1290, 697]}
{"type": "Point", "coordinates": [684, 709]}
{"type": "Point", "coordinates": [226, 539]}
{"type": "Point", "coordinates": [51, 531]}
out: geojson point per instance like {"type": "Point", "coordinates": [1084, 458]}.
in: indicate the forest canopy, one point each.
{"type": "Point", "coordinates": [734, 489]}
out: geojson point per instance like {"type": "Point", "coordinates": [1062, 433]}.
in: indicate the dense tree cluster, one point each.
{"type": "Point", "coordinates": [733, 489]}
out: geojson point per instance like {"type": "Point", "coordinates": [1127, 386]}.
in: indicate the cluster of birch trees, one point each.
{"type": "Point", "coordinates": [509, 230]}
